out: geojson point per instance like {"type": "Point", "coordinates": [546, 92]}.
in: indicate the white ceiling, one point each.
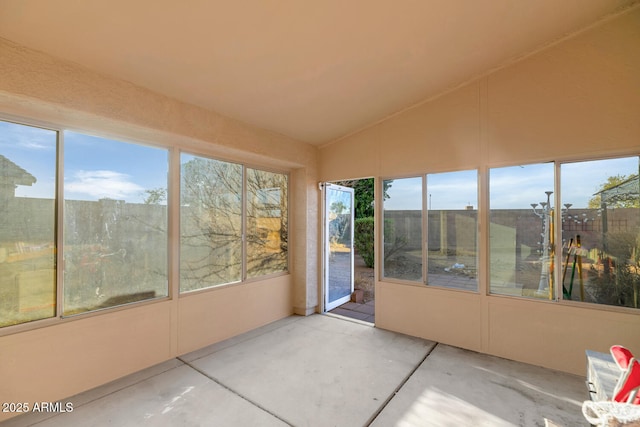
{"type": "Point", "coordinates": [312, 70]}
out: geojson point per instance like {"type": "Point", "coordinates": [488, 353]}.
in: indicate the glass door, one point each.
{"type": "Point", "coordinates": [338, 244]}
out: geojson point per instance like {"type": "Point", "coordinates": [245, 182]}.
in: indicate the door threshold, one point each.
{"type": "Point", "coordinates": [350, 319]}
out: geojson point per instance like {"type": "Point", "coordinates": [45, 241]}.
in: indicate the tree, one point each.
{"type": "Point", "coordinates": [210, 223]}
{"type": "Point", "coordinates": [618, 282]}
{"type": "Point", "coordinates": [363, 240]}
{"type": "Point", "coordinates": [623, 200]}
{"type": "Point", "coordinates": [212, 214]}
{"type": "Point", "coordinates": [363, 194]}
{"type": "Point", "coordinates": [155, 196]}
{"type": "Point", "coordinates": [337, 208]}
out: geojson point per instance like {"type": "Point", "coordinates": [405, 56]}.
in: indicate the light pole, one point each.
{"type": "Point", "coordinates": [546, 214]}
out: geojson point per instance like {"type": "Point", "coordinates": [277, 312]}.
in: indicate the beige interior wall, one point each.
{"type": "Point", "coordinates": [56, 362]}
{"type": "Point", "coordinates": [50, 360]}
{"type": "Point", "coordinates": [209, 317]}
{"type": "Point", "coordinates": [579, 98]}
{"type": "Point", "coordinates": [437, 314]}
{"type": "Point", "coordinates": [435, 136]}
{"type": "Point", "coordinates": [556, 335]}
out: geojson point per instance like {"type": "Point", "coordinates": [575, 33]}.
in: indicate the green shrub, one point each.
{"type": "Point", "coordinates": [363, 239]}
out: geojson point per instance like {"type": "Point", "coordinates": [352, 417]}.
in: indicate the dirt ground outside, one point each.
{"type": "Point", "coordinates": [363, 278]}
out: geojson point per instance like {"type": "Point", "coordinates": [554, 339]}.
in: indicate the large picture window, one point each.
{"type": "Point", "coordinates": [452, 229]}
{"type": "Point", "coordinates": [210, 222]}
{"type": "Point", "coordinates": [521, 230]}
{"type": "Point", "coordinates": [27, 223]}
{"type": "Point", "coordinates": [115, 226]}
{"type": "Point", "coordinates": [115, 223]}
{"type": "Point", "coordinates": [402, 230]}
{"type": "Point", "coordinates": [601, 231]}
{"type": "Point", "coordinates": [586, 249]}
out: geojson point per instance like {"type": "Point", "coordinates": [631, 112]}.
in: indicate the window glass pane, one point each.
{"type": "Point", "coordinates": [601, 231]}
{"type": "Point", "coordinates": [210, 223]}
{"type": "Point", "coordinates": [521, 230]}
{"type": "Point", "coordinates": [266, 222]}
{"type": "Point", "coordinates": [27, 223]}
{"type": "Point", "coordinates": [452, 229]}
{"type": "Point", "coordinates": [402, 234]}
{"type": "Point", "coordinates": [115, 223]}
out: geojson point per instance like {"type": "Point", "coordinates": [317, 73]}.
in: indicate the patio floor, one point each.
{"type": "Point", "coordinates": [353, 310]}
{"type": "Point", "coordinates": [325, 371]}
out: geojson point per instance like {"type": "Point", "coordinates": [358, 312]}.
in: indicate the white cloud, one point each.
{"type": "Point", "coordinates": [13, 136]}
{"type": "Point", "coordinates": [99, 184]}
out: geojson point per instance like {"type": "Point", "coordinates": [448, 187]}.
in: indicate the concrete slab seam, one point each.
{"type": "Point", "coordinates": [257, 405]}
{"type": "Point", "coordinates": [399, 387]}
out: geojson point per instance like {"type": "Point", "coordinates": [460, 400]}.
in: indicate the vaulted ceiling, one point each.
{"type": "Point", "coordinates": [313, 70]}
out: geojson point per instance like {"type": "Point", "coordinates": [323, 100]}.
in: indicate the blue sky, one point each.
{"type": "Point", "coordinates": [97, 167]}
{"type": "Point", "coordinates": [514, 187]}
{"type": "Point", "coordinates": [34, 150]}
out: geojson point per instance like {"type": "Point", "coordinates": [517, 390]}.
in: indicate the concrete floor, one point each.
{"type": "Point", "coordinates": [325, 371]}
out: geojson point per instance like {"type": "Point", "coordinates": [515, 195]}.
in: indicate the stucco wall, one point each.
{"type": "Point", "coordinates": [54, 359]}
{"type": "Point", "coordinates": [577, 99]}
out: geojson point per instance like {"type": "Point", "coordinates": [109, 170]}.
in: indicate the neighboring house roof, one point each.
{"type": "Point", "coordinates": [12, 174]}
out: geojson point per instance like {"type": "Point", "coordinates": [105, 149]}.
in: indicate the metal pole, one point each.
{"type": "Point", "coordinates": [543, 286]}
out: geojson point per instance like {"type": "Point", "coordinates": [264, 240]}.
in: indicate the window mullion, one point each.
{"type": "Point", "coordinates": [557, 236]}
{"type": "Point", "coordinates": [243, 224]}
{"type": "Point", "coordinates": [59, 227]}
{"type": "Point", "coordinates": [173, 223]}
{"type": "Point", "coordinates": [425, 230]}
